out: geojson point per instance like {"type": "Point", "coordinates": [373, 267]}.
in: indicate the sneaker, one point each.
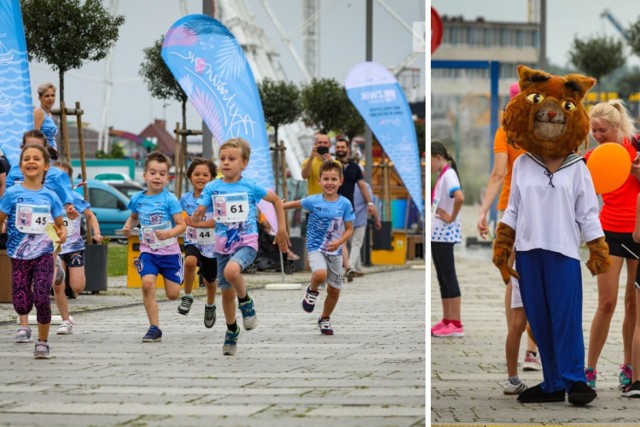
{"type": "Point", "coordinates": [249, 317]}
{"type": "Point", "coordinates": [632, 390]}
{"type": "Point", "coordinates": [349, 274]}
{"type": "Point", "coordinates": [154, 334]}
{"type": "Point", "coordinates": [230, 342]}
{"type": "Point", "coordinates": [580, 394]}
{"type": "Point", "coordinates": [309, 300]}
{"type": "Point", "coordinates": [65, 328]}
{"type": "Point", "coordinates": [625, 376]}
{"type": "Point", "coordinates": [41, 350]}
{"type": "Point", "coordinates": [325, 326]}
{"type": "Point", "coordinates": [438, 326]}
{"type": "Point", "coordinates": [449, 331]}
{"type": "Point", "coordinates": [511, 388]}
{"type": "Point", "coordinates": [185, 305]}
{"type": "Point", "coordinates": [23, 335]}
{"type": "Point", "coordinates": [592, 376]}
{"type": "Point", "coordinates": [209, 315]}
{"type": "Point", "coordinates": [531, 361]}
{"type": "Point", "coordinates": [358, 274]}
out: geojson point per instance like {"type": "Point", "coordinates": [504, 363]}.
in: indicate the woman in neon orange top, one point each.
{"type": "Point", "coordinates": [611, 122]}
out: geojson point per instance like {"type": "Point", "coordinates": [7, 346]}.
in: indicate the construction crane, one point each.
{"type": "Point", "coordinates": [622, 30]}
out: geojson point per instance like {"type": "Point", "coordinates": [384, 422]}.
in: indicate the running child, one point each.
{"type": "Point", "coordinates": [234, 199]}
{"type": "Point", "coordinates": [71, 257]}
{"type": "Point", "coordinates": [160, 217]}
{"type": "Point", "coordinates": [56, 181]}
{"type": "Point", "coordinates": [199, 250]}
{"type": "Point", "coordinates": [28, 206]}
{"type": "Point", "coordinates": [330, 225]}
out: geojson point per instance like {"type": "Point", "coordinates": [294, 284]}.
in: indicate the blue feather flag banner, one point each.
{"type": "Point", "coordinates": [379, 99]}
{"type": "Point", "coordinates": [208, 62]}
{"type": "Point", "coordinates": [16, 107]}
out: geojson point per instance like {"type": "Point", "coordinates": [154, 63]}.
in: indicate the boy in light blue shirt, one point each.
{"type": "Point", "coordinates": [329, 226]}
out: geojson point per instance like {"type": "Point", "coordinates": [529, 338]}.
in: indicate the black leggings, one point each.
{"type": "Point", "coordinates": [442, 255]}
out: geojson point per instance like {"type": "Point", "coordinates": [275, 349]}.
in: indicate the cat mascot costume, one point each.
{"type": "Point", "coordinates": [552, 208]}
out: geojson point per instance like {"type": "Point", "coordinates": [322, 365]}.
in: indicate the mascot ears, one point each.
{"type": "Point", "coordinates": [576, 83]}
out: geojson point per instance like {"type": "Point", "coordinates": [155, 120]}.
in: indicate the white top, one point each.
{"type": "Point", "coordinates": [552, 211]}
{"type": "Point", "coordinates": [447, 184]}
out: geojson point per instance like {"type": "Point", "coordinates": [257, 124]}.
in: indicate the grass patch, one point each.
{"type": "Point", "coordinates": [117, 258]}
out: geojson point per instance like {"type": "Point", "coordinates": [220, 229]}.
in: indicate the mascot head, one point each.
{"type": "Point", "coordinates": [547, 117]}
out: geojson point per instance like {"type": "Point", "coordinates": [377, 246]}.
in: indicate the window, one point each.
{"type": "Point", "coordinates": [102, 199]}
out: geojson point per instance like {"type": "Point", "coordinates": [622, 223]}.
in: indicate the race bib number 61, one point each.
{"type": "Point", "coordinates": [228, 208]}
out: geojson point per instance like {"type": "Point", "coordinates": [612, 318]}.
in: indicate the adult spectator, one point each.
{"type": "Point", "coordinates": [311, 165]}
{"type": "Point", "coordinates": [360, 227]}
{"type": "Point", "coordinates": [42, 119]}
{"type": "Point", "coordinates": [352, 176]}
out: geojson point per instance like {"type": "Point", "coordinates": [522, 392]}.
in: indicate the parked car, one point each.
{"type": "Point", "coordinates": [128, 188]}
{"type": "Point", "coordinates": [109, 205]}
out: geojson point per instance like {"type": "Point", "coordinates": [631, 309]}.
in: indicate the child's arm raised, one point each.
{"type": "Point", "coordinates": [282, 238]}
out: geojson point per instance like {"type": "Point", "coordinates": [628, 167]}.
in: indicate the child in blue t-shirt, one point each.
{"type": "Point", "coordinates": [234, 199]}
{"type": "Point", "coordinates": [28, 206]}
{"type": "Point", "coordinates": [199, 242]}
{"type": "Point", "coordinates": [329, 226]}
{"type": "Point", "coordinates": [54, 180]}
{"type": "Point", "coordinates": [160, 217]}
{"type": "Point", "coordinates": [71, 256]}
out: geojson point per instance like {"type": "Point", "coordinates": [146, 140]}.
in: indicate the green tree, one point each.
{"type": "Point", "coordinates": [324, 104]}
{"type": "Point", "coordinates": [280, 103]}
{"type": "Point", "coordinates": [159, 79]}
{"type": "Point", "coordinates": [353, 123]}
{"type": "Point", "coordinates": [598, 56]}
{"type": "Point", "coordinates": [634, 37]}
{"type": "Point", "coordinates": [67, 33]}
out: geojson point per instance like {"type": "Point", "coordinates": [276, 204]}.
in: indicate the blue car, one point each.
{"type": "Point", "coordinates": [108, 204]}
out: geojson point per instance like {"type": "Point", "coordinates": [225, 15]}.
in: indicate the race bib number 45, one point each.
{"type": "Point", "coordinates": [228, 208]}
{"type": "Point", "coordinates": [32, 219]}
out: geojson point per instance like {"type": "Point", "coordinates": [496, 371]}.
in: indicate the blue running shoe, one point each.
{"type": "Point", "coordinates": [154, 334]}
{"type": "Point", "coordinates": [249, 317]}
{"type": "Point", "coordinates": [230, 342]}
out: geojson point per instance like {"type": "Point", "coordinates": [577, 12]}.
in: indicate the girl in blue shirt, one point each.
{"type": "Point", "coordinates": [28, 207]}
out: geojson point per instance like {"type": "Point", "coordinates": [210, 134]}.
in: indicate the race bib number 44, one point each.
{"type": "Point", "coordinates": [32, 219]}
{"type": "Point", "coordinates": [201, 236]}
{"type": "Point", "coordinates": [228, 208]}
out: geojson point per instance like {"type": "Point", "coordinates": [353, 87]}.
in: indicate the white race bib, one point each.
{"type": "Point", "coordinates": [148, 235]}
{"type": "Point", "coordinates": [228, 208]}
{"type": "Point", "coordinates": [201, 236]}
{"type": "Point", "coordinates": [70, 224]}
{"type": "Point", "coordinates": [32, 219]}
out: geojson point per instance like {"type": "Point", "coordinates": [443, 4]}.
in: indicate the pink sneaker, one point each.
{"type": "Point", "coordinates": [437, 326]}
{"type": "Point", "coordinates": [449, 331]}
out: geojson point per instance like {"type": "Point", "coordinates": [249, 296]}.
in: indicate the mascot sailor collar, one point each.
{"type": "Point", "coordinates": [552, 208]}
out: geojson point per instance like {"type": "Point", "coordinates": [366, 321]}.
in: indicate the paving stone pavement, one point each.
{"type": "Point", "coordinates": [467, 373]}
{"type": "Point", "coordinates": [370, 373]}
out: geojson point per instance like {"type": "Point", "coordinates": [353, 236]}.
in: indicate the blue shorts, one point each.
{"type": "Point", "coordinates": [168, 266]}
{"type": "Point", "coordinates": [244, 256]}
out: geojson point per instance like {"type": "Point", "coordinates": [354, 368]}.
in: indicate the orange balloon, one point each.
{"type": "Point", "coordinates": [610, 166]}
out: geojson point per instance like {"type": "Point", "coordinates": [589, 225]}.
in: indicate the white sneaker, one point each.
{"type": "Point", "coordinates": [510, 388]}
{"type": "Point", "coordinates": [65, 328]}
{"type": "Point", "coordinates": [531, 362]}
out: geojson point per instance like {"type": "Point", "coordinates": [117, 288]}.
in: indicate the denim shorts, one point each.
{"type": "Point", "coordinates": [170, 267]}
{"type": "Point", "coordinates": [331, 263]}
{"type": "Point", "coordinates": [243, 256]}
